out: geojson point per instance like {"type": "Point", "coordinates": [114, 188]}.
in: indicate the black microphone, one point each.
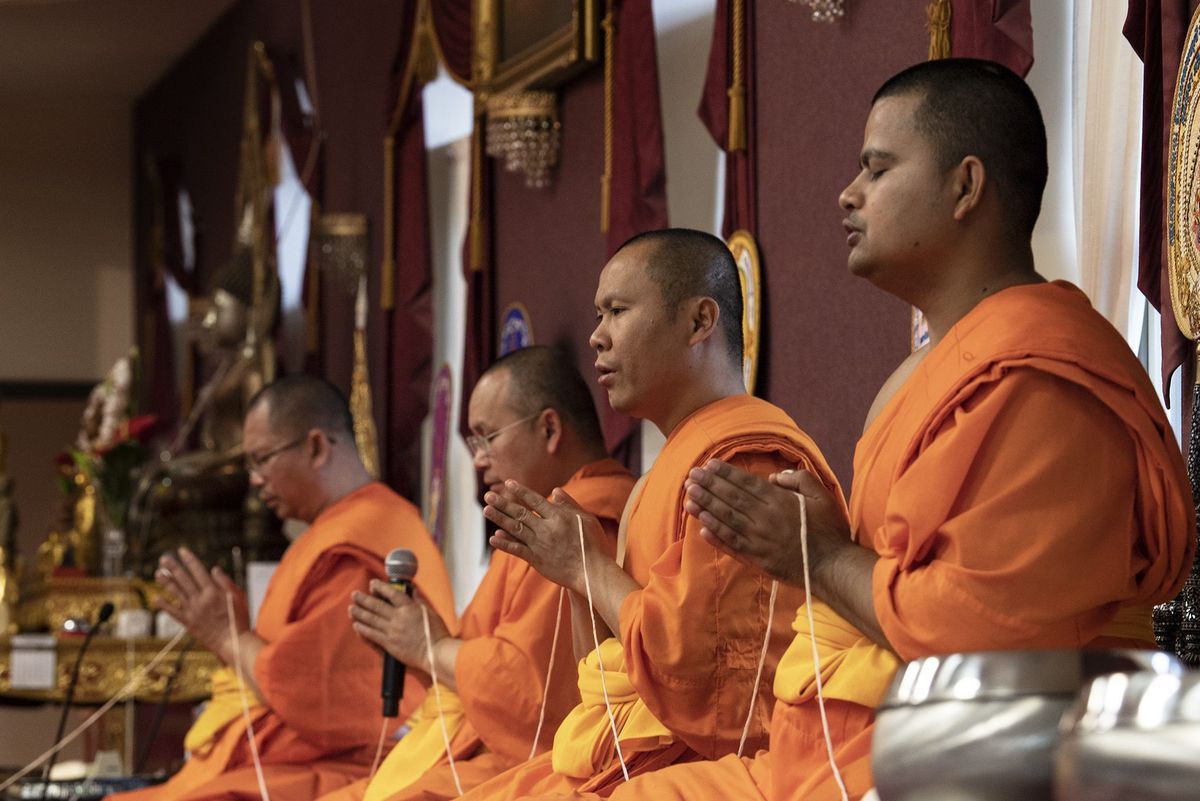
{"type": "Point", "coordinates": [106, 611]}
{"type": "Point", "coordinates": [401, 566]}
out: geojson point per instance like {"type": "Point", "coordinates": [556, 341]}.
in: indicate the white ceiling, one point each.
{"type": "Point", "coordinates": [112, 48]}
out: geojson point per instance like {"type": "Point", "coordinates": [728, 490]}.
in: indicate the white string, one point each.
{"type": "Point", "coordinates": [587, 585]}
{"type": "Point", "coordinates": [129, 687]}
{"type": "Point", "coordinates": [437, 697]}
{"type": "Point", "coordinates": [762, 659]}
{"type": "Point", "coordinates": [237, 663]}
{"type": "Point", "coordinates": [549, 672]}
{"type": "Point", "coordinates": [837, 774]}
{"type": "Point", "coordinates": [383, 730]}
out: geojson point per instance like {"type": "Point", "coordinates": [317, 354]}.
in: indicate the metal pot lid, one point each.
{"type": "Point", "coordinates": [988, 675]}
{"type": "Point", "coordinates": [1139, 701]}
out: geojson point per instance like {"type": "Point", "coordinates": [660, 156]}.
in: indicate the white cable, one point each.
{"type": "Point", "coordinates": [587, 585]}
{"type": "Point", "coordinates": [762, 659]}
{"type": "Point", "coordinates": [437, 697]}
{"type": "Point", "coordinates": [562, 591]}
{"type": "Point", "coordinates": [837, 774]}
{"type": "Point", "coordinates": [129, 687]}
{"type": "Point", "coordinates": [383, 730]}
{"type": "Point", "coordinates": [237, 663]}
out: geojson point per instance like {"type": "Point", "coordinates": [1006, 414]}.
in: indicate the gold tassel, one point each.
{"type": "Point", "coordinates": [387, 273]}
{"type": "Point", "coordinates": [360, 391]}
{"type": "Point", "coordinates": [937, 15]}
{"type": "Point", "coordinates": [737, 91]}
{"type": "Point", "coordinates": [609, 25]}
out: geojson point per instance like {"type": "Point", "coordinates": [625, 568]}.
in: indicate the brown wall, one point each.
{"type": "Point", "coordinates": [830, 339]}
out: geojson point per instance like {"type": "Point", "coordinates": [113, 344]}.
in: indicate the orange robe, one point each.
{"type": "Point", "coordinates": [1023, 490]}
{"type": "Point", "coordinates": [320, 715]}
{"type": "Point", "coordinates": [508, 632]}
{"type": "Point", "coordinates": [691, 637]}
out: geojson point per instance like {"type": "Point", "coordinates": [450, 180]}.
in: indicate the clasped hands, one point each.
{"type": "Point", "coordinates": [545, 532]}
{"type": "Point", "coordinates": [758, 521]}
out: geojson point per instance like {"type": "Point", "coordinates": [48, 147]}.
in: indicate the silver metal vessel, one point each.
{"type": "Point", "coordinates": [1131, 737]}
{"type": "Point", "coordinates": [983, 726]}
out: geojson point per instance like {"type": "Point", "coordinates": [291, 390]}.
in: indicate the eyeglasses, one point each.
{"type": "Point", "coordinates": [482, 443]}
{"type": "Point", "coordinates": [256, 464]}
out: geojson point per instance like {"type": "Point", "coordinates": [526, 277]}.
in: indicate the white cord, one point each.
{"type": "Point", "coordinates": [237, 663]}
{"type": "Point", "coordinates": [562, 591]}
{"type": "Point", "coordinates": [762, 659]}
{"type": "Point", "coordinates": [129, 687]}
{"type": "Point", "coordinates": [587, 585]}
{"type": "Point", "coordinates": [837, 774]}
{"type": "Point", "coordinates": [383, 730]}
{"type": "Point", "coordinates": [437, 696]}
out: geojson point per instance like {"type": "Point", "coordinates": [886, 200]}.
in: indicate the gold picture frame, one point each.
{"type": "Point", "coordinates": [745, 255]}
{"type": "Point", "coordinates": [544, 45]}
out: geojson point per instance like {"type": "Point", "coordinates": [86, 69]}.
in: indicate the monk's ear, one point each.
{"type": "Point", "coordinates": [319, 448]}
{"type": "Point", "coordinates": [704, 316]}
{"type": "Point", "coordinates": [968, 180]}
{"type": "Point", "coordinates": [549, 427]}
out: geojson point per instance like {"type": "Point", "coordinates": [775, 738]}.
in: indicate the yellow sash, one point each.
{"type": "Point", "coordinates": [583, 745]}
{"type": "Point", "coordinates": [423, 746]}
{"type": "Point", "coordinates": [224, 708]}
{"type": "Point", "coordinates": [852, 667]}
{"type": "Point", "coordinates": [1132, 623]}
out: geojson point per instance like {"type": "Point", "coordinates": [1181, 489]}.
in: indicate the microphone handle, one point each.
{"type": "Point", "coordinates": [394, 669]}
{"type": "Point", "coordinates": [70, 699]}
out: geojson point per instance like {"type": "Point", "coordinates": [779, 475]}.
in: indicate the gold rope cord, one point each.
{"type": "Point", "coordinates": [937, 22]}
{"type": "Point", "coordinates": [609, 24]}
{"type": "Point", "coordinates": [737, 89]}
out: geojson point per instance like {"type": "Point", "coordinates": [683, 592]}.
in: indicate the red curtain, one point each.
{"type": "Point", "coordinates": [998, 30]}
{"type": "Point", "coordinates": [478, 262]}
{"type": "Point", "coordinates": [409, 322]}
{"type": "Point", "coordinates": [638, 188]}
{"type": "Point", "coordinates": [452, 23]}
{"type": "Point", "coordinates": [1156, 29]}
{"type": "Point", "coordinates": [740, 191]}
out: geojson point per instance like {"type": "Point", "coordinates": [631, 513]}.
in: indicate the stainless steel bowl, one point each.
{"type": "Point", "coordinates": [1132, 737]}
{"type": "Point", "coordinates": [983, 726]}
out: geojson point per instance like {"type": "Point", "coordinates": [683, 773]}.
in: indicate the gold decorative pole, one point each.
{"type": "Point", "coordinates": [737, 89]}
{"type": "Point", "coordinates": [609, 24]}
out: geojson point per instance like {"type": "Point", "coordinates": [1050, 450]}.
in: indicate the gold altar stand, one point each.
{"type": "Point", "coordinates": [110, 662]}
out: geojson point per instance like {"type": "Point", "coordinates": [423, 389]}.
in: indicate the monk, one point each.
{"type": "Point", "coordinates": [312, 685]}
{"type": "Point", "coordinates": [681, 626]}
{"type": "Point", "coordinates": [1016, 486]}
{"type": "Point", "coordinates": [533, 421]}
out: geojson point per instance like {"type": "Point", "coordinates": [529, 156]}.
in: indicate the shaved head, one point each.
{"type": "Point", "coordinates": [971, 107]}
{"type": "Point", "coordinates": [299, 403]}
{"type": "Point", "coordinates": [542, 377]}
{"type": "Point", "coordinates": [686, 264]}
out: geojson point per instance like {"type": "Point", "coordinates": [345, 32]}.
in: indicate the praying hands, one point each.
{"type": "Point", "coordinates": [759, 522]}
{"type": "Point", "coordinates": [546, 534]}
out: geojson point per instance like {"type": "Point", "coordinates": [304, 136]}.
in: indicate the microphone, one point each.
{"type": "Point", "coordinates": [106, 611]}
{"type": "Point", "coordinates": [401, 566]}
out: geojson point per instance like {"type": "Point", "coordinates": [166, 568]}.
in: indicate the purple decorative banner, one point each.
{"type": "Point", "coordinates": [435, 507]}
